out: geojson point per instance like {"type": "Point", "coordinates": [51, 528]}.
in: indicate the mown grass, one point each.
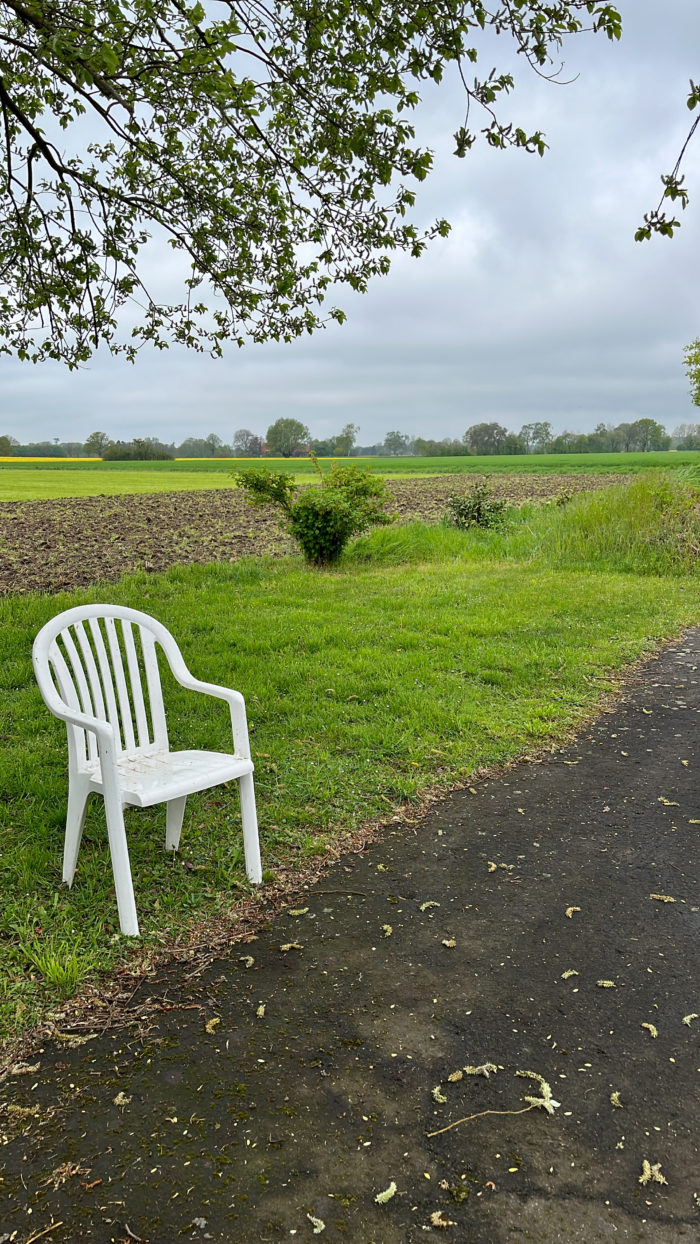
{"type": "Point", "coordinates": [25, 480]}
{"type": "Point", "coordinates": [366, 688]}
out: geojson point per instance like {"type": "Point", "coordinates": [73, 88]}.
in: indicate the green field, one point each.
{"type": "Point", "coordinates": [28, 480]}
{"type": "Point", "coordinates": [40, 484]}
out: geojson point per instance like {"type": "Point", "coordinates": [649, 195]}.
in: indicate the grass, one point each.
{"type": "Point", "coordinates": [648, 527]}
{"type": "Point", "coordinates": [399, 673]}
{"type": "Point", "coordinates": [23, 480]}
{"type": "Point", "coordinates": [42, 483]}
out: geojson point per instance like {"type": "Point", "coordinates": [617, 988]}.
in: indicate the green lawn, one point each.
{"type": "Point", "coordinates": [24, 480]}
{"type": "Point", "coordinates": [405, 670]}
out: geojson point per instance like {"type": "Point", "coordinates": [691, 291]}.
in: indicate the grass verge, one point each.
{"type": "Point", "coordinates": [366, 688]}
{"type": "Point", "coordinates": [648, 527]}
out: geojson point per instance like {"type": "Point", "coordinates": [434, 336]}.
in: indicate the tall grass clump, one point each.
{"type": "Point", "coordinates": [408, 544]}
{"type": "Point", "coordinates": [648, 527]}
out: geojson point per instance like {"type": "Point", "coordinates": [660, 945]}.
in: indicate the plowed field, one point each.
{"type": "Point", "coordinates": [63, 544]}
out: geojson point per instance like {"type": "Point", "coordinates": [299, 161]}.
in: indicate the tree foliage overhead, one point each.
{"type": "Point", "coordinates": [270, 144]}
{"type": "Point", "coordinates": [658, 220]}
{"type": "Point", "coordinates": [691, 358]}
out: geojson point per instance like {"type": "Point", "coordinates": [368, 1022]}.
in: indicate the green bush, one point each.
{"type": "Point", "coordinates": [321, 520]}
{"type": "Point", "coordinates": [478, 508]}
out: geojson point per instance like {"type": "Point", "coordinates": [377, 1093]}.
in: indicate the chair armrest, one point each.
{"type": "Point", "coordinates": [234, 699]}
{"type": "Point", "coordinates": [106, 741]}
{"type": "Point", "coordinates": [72, 717]}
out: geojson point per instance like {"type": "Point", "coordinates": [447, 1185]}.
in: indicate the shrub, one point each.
{"type": "Point", "coordinates": [321, 520]}
{"type": "Point", "coordinates": [478, 508]}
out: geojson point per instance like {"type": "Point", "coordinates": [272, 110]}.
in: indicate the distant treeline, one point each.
{"type": "Point", "coordinates": [644, 435]}
{"type": "Point", "coordinates": [289, 438]}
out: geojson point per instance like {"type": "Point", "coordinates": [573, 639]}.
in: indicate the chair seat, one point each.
{"type": "Point", "coordinates": [147, 778]}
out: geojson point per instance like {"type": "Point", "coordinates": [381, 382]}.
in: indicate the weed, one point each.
{"type": "Point", "coordinates": [478, 508]}
{"type": "Point", "coordinates": [61, 968]}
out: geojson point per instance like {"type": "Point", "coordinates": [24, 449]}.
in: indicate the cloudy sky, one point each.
{"type": "Point", "coordinates": [540, 305]}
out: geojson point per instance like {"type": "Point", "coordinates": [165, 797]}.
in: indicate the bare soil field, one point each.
{"type": "Point", "coordinates": [59, 545]}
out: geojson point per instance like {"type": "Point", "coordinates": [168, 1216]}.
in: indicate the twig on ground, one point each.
{"type": "Point", "coordinates": [481, 1113]}
{"type": "Point", "coordinates": [361, 893]}
{"type": "Point", "coordinates": [51, 1227]}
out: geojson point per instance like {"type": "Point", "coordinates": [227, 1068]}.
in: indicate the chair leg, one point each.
{"type": "Point", "coordinates": [123, 884]}
{"type": "Point", "coordinates": [251, 841]}
{"type": "Point", "coordinates": [78, 796]}
{"type": "Point", "coordinates": [175, 814]}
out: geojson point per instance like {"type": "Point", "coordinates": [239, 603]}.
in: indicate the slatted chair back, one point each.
{"type": "Point", "coordinates": [103, 662]}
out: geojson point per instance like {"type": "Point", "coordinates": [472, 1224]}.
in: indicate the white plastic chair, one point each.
{"type": "Point", "coordinates": [97, 670]}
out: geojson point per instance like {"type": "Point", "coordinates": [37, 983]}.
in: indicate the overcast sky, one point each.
{"type": "Point", "coordinates": [540, 305]}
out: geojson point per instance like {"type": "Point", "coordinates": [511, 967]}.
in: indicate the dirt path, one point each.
{"type": "Point", "coordinates": [54, 546]}
{"type": "Point", "coordinates": [542, 922]}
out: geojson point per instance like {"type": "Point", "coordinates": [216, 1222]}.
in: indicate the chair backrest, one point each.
{"type": "Point", "coordinates": [101, 660]}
